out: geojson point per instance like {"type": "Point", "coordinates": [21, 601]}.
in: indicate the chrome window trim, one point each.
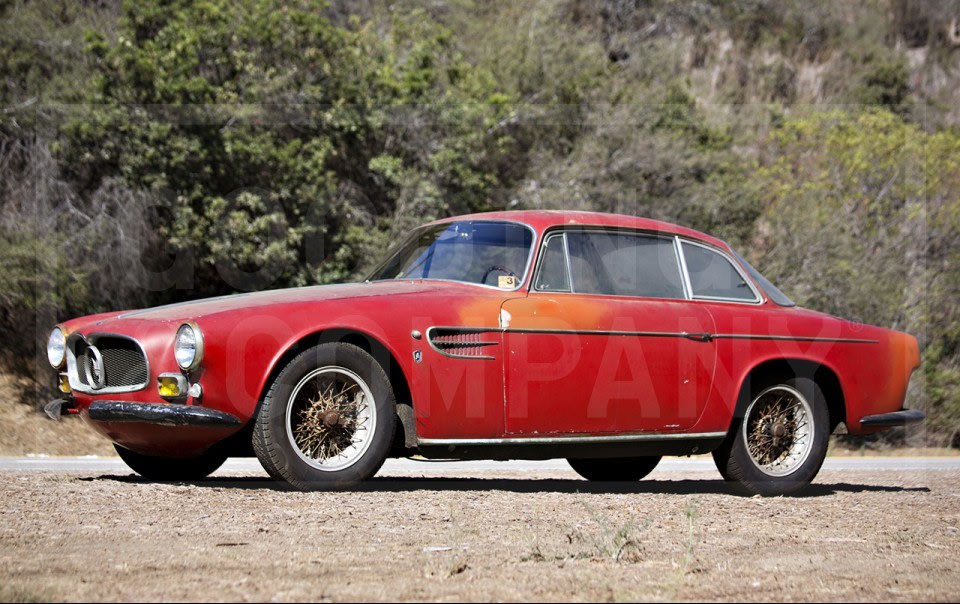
{"type": "Point", "coordinates": [566, 261]}
{"type": "Point", "coordinates": [540, 258]}
{"type": "Point", "coordinates": [526, 270]}
{"type": "Point", "coordinates": [684, 273]}
{"type": "Point", "coordinates": [757, 298]}
{"type": "Point", "coordinates": [90, 340]}
{"type": "Point", "coordinates": [564, 230]}
{"type": "Point", "coordinates": [742, 263]}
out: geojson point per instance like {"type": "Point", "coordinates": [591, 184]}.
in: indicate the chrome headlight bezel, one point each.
{"type": "Point", "coordinates": [57, 348]}
{"type": "Point", "coordinates": [182, 344]}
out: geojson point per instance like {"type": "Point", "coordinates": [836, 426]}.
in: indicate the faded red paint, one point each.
{"type": "Point", "coordinates": [537, 381]}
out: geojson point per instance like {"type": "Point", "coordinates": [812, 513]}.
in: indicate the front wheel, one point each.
{"type": "Point", "coordinates": [625, 469]}
{"type": "Point", "coordinates": [170, 469]}
{"type": "Point", "coordinates": [780, 444]}
{"type": "Point", "coordinates": [328, 420]}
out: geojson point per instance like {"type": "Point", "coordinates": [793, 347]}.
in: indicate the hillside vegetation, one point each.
{"type": "Point", "coordinates": [155, 152]}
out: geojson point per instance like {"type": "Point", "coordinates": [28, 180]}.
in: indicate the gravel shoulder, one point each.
{"type": "Point", "coordinates": [483, 535]}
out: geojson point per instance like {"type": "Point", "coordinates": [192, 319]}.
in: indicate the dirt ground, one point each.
{"type": "Point", "coordinates": [868, 536]}
{"type": "Point", "coordinates": [503, 535]}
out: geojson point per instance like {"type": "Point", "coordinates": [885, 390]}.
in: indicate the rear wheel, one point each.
{"type": "Point", "coordinates": [328, 420]}
{"type": "Point", "coordinates": [780, 444]}
{"type": "Point", "coordinates": [625, 469]}
{"type": "Point", "coordinates": [170, 469]}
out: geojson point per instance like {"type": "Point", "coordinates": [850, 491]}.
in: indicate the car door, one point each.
{"type": "Point", "coordinates": [607, 340]}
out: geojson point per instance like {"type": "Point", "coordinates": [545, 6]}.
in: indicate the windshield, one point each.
{"type": "Point", "coordinates": [772, 292]}
{"type": "Point", "coordinates": [475, 251]}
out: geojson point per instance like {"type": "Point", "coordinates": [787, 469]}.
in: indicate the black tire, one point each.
{"type": "Point", "coordinates": [621, 469]}
{"type": "Point", "coordinates": [777, 453]}
{"type": "Point", "coordinates": [341, 366]}
{"type": "Point", "coordinates": [170, 469]}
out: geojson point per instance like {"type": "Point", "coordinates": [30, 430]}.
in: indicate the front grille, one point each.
{"type": "Point", "coordinates": [462, 343]}
{"type": "Point", "coordinates": [124, 364]}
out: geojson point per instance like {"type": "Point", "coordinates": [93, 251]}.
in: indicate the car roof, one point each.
{"type": "Point", "coordinates": [542, 220]}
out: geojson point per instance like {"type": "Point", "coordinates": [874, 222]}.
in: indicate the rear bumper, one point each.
{"type": "Point", "coordinates": [896, 418]}
{"type": "Point", "coordinates": [165, 414]}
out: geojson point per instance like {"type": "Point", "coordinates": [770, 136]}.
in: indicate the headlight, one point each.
{"type": "Point", "coordinates": [188, 347]}
{"type": "Point", "coordinates": [57, 348]}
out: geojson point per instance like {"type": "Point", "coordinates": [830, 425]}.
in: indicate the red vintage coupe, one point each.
{"type": "Point", "coordinates": [608, 340]}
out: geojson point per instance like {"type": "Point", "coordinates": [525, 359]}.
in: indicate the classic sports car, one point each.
{"type": "Point", "coordinates": [608, 340]}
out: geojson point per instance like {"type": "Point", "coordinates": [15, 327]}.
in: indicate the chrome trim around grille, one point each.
{"type": "Point", "coordinates": [73, 369]}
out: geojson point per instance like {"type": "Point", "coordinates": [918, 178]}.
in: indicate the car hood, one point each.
{"type": "Point", "coordinates": [222, 304]}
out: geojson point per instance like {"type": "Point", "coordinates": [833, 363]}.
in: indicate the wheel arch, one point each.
{"type": "Point", "coordinates": [771, 370]}
{"type": "Point", "coordinates": [369, 344]}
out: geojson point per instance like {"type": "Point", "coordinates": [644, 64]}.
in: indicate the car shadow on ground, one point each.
{"type": "Point", "coordinates": [392, 484]}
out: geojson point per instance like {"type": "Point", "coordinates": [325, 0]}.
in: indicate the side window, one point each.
{"type": "Point", "coordinates": [713, 276]}
{"type": "Point", "coordinates": [624, 264]}
{"type": "Point", "coordinates": [552, 276]}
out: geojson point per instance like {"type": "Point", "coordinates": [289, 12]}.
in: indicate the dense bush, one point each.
{"type": "Point", "coordinates": [276, 142]}
{"type": "Point", "coordinates": [861, 218]}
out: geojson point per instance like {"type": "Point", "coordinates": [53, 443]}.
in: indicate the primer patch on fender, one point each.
{"type": "Point", "coordinates": [504, 318]}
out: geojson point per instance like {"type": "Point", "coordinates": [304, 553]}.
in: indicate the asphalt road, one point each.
{"type": "Point", "coordinates": [409, 466]}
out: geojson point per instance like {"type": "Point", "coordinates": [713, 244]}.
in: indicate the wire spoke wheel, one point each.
{"type": "Point", "coordinates": [778, 431]}
{"type": "Point", "coordinates": [331, 417]}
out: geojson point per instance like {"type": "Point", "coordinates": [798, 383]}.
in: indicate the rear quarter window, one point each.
{"type": "Point", "coordinates": [713, 276]}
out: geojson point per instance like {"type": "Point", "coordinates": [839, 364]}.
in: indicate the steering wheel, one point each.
{"type": "Point", "coordinates": [497, 267]}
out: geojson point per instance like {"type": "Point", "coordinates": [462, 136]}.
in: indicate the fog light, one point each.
{"type": "Point", "coordinates": [171, 385]}
{"type": "Point", "coordinates": [64, 383]}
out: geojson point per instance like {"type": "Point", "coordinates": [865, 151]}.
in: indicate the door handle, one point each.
{"type": "Point", "coordinates": [699, 337]}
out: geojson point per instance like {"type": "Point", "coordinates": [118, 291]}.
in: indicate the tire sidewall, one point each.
{"type": "Point", "coordinates": [279, 455]}
{"type": "Point", "coordinates": [619, 469]}
{"type": "Point", "coordinates": [741, 466]}
{"type": "Point", "coordinates": [168, 469]}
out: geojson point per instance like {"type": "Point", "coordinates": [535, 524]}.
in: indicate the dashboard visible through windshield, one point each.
{"type": "Point", "coordinates": [489, 253]}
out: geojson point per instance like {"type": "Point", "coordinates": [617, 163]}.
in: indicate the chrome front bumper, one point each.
{"type": "Point", "coordinates": [165, 414]}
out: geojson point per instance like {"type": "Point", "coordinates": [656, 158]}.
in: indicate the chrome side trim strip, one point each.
{"type": "Point", "coordinates": [745, 336]}
{"type": "Point", "coordinates": [591, 332]}
{"type": "Point", "coordinates": [553, 440]}
{"type": "Point", "coordinates": [700, 337]}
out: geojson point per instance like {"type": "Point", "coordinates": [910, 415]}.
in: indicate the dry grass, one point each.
{"type": "Point", "coordinates": [28, 432]}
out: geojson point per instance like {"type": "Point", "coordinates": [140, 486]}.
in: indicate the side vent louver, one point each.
{"type": "Point", "coordinates": [463, 343]}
